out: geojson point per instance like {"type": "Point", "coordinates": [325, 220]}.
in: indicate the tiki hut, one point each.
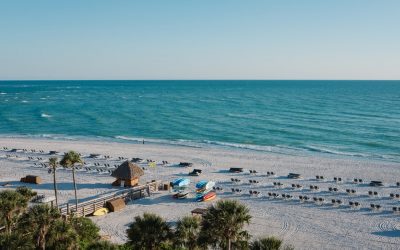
{"type": "Point", "coordinates": [128, 173]}
{"type": "Point", "coordinates": [115, 205]}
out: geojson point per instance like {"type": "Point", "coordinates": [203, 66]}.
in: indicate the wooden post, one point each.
{"type": "Point", "coordinates": [67, 208]}
{"type": "Point", "coordinates": [83, 211]}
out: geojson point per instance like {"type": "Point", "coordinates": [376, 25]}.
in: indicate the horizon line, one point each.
{"type": "Point", "coordinates": [32, 80]}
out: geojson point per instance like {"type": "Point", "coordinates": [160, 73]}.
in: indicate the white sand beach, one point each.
{"type": "Point", "coordinates": [305, 225]}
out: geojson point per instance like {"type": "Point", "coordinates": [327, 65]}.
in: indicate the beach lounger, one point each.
{"type": "Point", "coordinates": [236, 170]}
{"type": "Point", "coordinates": [294, 176]}
{"type": "Point", "coordinates": [376, 183]}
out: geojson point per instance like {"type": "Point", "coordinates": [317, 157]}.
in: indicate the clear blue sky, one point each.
{"type": "Point", "coordinates": [200, 39]}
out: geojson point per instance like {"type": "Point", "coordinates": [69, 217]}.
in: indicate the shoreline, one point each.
{"type": "Point", "coordinates": [305, 225]}
{"type": "Point", "coordinates": [242, 148]}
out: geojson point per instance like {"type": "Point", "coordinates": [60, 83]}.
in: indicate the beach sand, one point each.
{"type": "Point", "coordinates": [304, 225]}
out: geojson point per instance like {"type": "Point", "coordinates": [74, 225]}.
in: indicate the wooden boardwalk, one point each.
{"type": "Point", "coordinates": [88, 207]}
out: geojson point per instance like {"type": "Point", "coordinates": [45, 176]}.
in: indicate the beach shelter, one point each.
{"type": "Point", "coordinates": [128, 173]}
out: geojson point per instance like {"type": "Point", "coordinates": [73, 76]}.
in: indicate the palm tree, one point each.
{"type": "Point", "coordinates": [37, 221]}
{"type": "Point", "coordinates": [53, 163]}
{"type": "Point", "coordinates": [187, 232]}
{"type": "Point", "coordinates": [103, 245]}
{"type": "Point", "coordinates": [12, 204]}
{"type": "Point", "coordinates": [223, 224]}
{"type": "Point", "coordinates": [26, 192]}
{"type": "Point", "coordinates": [269, 243]}
{"type": "Point", "coordinates": [87, 230]}
{"type": "Point", "coordinates": [148, 232]}
{"type": "Point", "coordinates": [61, 235]}
{"type": "Point", "coordinates": [69, 160]}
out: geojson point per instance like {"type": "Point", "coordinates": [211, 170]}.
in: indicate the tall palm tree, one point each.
{"type": "Point", "coordinates": [149, 232]}
{"type": "Point", "coordinates": [69, 160]}
{"type": "Point", "coordinates": [223, 223]}
{"type": "Point", "coordinates": [187, 232]}
{"type": "Point", "coordinates": [53, 163]}
{"type": "Point", "coordinates": [12, 204]}
{"type": "Point", "coordinates": [38, 221]}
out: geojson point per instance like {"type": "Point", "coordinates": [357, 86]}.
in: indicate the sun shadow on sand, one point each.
{"type": "Point", "coordinates": [60, 186]}
{"type": "Point", "coordinates": [391, 233]}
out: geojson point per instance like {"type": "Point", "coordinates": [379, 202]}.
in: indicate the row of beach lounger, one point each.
{"type": "Point", "coordinates": [318, 177]}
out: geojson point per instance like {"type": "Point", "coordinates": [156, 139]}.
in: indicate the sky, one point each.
{"type": "Point", "coordinates": [199, 39]}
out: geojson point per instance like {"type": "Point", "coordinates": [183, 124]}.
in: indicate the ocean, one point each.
{"type": "Point", "coordinates": [346, 118]}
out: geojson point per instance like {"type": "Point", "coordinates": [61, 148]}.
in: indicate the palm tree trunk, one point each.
{"type": "Point", "coordinates": [55, 186]}
{"type": "Point", "coordinates": [8, 224]}
{"type": "Point", "coordinates": [229, 244]}
{"type": "Point", "coordinates": [76, 196]}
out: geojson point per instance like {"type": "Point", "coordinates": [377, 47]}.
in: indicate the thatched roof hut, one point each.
{"type": "Point", "coordinates": [129, 173]}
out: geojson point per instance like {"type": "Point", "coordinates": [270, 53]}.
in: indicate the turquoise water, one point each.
{"type": "Point", "coordinates": [355, 118]}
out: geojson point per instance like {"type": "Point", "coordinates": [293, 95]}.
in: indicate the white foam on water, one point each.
{"type": "Point", "coordinates": [44, 115]}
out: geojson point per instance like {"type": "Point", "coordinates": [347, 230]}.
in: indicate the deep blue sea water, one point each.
{"type": "Point", "coordinates": [354, 118]}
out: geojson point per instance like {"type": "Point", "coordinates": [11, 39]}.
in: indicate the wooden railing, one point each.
{"type": "Point", "coordinates": [90, 206]}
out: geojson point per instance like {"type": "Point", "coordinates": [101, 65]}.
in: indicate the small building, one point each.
{"type": "Point", "coordinates": [116, 205]}
{"type": "Point", "coordinates": [31, 179]}
{"type": "Point", "coordinates": [128, 174]}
